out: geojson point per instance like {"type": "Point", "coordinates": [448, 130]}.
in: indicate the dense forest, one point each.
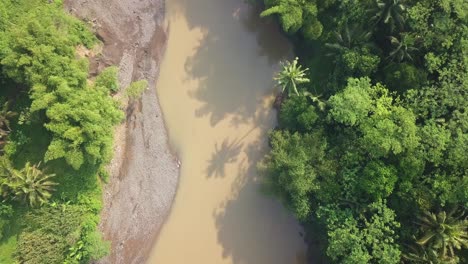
{"type": "Point", "coordinates": [56, 135]}
{"type": "Point", "coordinates": [370, 151]}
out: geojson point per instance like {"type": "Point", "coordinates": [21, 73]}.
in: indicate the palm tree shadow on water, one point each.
{"type": "Point", "coordinates": [222, 156]}
{"type": "Point", "coordinates": [226, 154]}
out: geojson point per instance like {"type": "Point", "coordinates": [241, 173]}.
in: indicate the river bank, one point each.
{"type": "Point", "coordinates": [144, 172]}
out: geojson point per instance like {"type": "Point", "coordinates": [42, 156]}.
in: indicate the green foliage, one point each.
{"type": "Point", "coordinates": [390, 131]}
{"type": "Point", "coordinates": [403, 76]}
{"type": "Point", "coordinates": [89, 248]}
{"type": "Point", "coordinates": [298, 114]}
{"type": "Point", "coordinates": [352, 105]}
{"type": "Point", "coordinates": [108, 79]}
{"type": "Point", "coordinates": [352, 47]}
{"type": "Point", "coordinates": [104, 174]}
{"type": "Point", "coordinates": [443, 233]}
{"type": "Point", "coordinates": [361, 62]}
{"type": "Point", "coordinates": [417, 254]}
{"type": "Point", "coordinates": [378, 179]}
{"type": "Point", "coordinates": [406, 144]}
{"type": "Point", "coordinates": [38, 247]}
{"type": "Point", "coordinates": [96, 248]}
{"type": "Point", "coordinates": [402, 48]}
{"type": "Point", "coordinates": [6, 212]}
{"type": "Point", "coordinates": [136, 89]}
{"type": "Point", "coordinates": [49, 232]}
{"type": "Point", "coordinates": [368, 238]}
{"type": "Point", "coordinates": [60, 234]}
{"type": "Point", "coordinates": [386, 127]}
{"type": "Point", "coordinates": [61, 120]}
{"type": "Point", "coordinates": [5, 116]}
{"type": "Point", "coordinates": [41, 54]}
{"type": "Point", "coordinates": [290, 76]}
{"type": "Point", "coordinates": [82, 134]}
{"type": "Point", "coordinates": [435, 140]}
{"type": "Point", "coordinates": [76, 253]}
{"type": "Point", "coordinates": [38, 48]}
{"type": "Point", "coordinates": [291, 172]}
{"type": "Point", "coordinates": [31, 184]}
{"type": "Point", "coordinates": [296, 15]}
{"type": "Point", "coordinates": [389, 12]}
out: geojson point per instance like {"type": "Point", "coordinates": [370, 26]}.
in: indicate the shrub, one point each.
{"type": "Point", "coordinates": [96, 247]}
{"type": "Point", "coordinates": [108, 79]}
{"type": "Point", "coordinates": [297, 114]}
{"type": "Point", "coordinates": [136, 89]}
{"type": "Point", "coordinates": [48, 234]}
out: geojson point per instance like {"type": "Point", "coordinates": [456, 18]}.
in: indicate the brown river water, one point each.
{"type": "Point", "coordinates": [216, 92]}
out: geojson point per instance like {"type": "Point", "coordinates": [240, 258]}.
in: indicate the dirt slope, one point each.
{"type": "Point", "coordinates": [144, 173]}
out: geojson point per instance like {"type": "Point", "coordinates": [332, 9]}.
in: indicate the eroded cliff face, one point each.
{"type": "Point", "coordinates": [144, 172]}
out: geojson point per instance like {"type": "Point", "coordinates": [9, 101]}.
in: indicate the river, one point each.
{"type": "Point", "coordinates": [216, 92]}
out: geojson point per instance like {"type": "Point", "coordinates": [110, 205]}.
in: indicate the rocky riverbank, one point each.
{"type": "Point", "coordinates": [144, 172]}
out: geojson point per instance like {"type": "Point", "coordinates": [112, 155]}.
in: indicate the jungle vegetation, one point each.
{"type": "Point", "coordinates": [370, 151]}
{"type": "Point", "coordinates": [56, 135]}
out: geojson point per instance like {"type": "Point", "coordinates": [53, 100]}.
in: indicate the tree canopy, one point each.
{"type": "Point", "coordinates": [385, 144]}
{"type": "Point", "coordinates": [54, 114]}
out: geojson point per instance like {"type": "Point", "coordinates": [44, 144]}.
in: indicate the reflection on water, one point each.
{"type": "Point", "coordinates": [215, 89]}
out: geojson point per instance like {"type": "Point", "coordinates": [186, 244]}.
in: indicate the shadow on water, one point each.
{"type": "Point", "coordinates": [245, 227]}
{"type": "Point", "coordinates": [227, 153]}
{"type": "Point", "coordinates": [234, 77]}
{"type": "Point", "coordinates": [225, 52]}
{"type": "Point", "coordinates": [222, 156]}
{"type": "Point", "coordinates": [269, 40]}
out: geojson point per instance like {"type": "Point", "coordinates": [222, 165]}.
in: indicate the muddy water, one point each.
{"type": "Point", "coordinates": [215, 89]}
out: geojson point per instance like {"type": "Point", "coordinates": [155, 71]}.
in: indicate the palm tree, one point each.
{"type": "Point", "coordinates": [418, 254]}
{"type": "Point", "coordinates": [347, 38]}
{"type": "Point", "coordinates": [402, 49]}
{"type": "Point", "coordinates": [32, 185]}
{"type": "Point", "coordinates": [291, 75]}
{"type": "Point", "coordinates": [390, 12]}
{"type": "Point", "coordinates": [443, 232]}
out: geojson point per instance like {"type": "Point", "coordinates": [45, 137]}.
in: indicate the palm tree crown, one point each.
{"type": "Point", "coordinates": [443, 232]}
{"type": "Point", "coordinates": [419, 254]}
{"type": "Point", "coordinates": [349, 37]}
{"type": "Point", "coordinates": [402, 48]}
{"type": "Point", "coordinates": [390, 12]}
{"type": "Point", "coordinates": [291, 75]}
{"type": "Point", "coordinates": [32, 185]}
